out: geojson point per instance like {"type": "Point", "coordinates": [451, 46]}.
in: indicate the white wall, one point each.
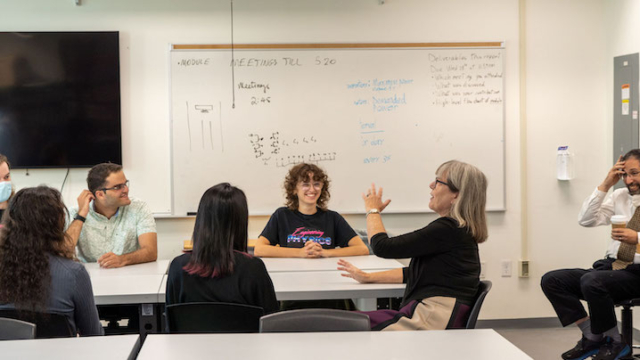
{"type": "Point", "coordinates": [566, 97]}
{"type": "Point", "coordinates": [566, 103]}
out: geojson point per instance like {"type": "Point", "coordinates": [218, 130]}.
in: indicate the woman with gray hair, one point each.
{"type": "Point", "coordinates": [443, 276]}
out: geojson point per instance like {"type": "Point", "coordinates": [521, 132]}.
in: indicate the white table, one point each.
{"type": "Point", "coordinates": [133, 285]}
{"type": "Point", "coordinates": [367, 263]}
{"type": "Point", "coordinates": [483, 344]}
{"type": "Point", "coordinates": [132, 289]}
{"type": "Point", "coordinates": [159, 267]}
{"type": "Point", "coordinates": [318, 285]}
{"type": "Point", "coordinates": [95, 348]}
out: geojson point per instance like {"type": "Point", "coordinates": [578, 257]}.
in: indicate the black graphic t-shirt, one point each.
{"type": "Point", "coordinates": [293, 229]}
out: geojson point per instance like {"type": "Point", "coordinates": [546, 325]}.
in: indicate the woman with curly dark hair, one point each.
{"type": "Point", "coordinates": [37, 270]}
{"type": "Point", "coordinates": [305, 227]}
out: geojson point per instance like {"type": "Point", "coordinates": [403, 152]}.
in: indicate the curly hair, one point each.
{"type": "Point", "coordinates": [33, 230]}
{"type": "Point", "coordinates": [300, 173]}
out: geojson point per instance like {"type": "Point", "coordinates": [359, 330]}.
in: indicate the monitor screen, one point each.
{"type": "Point", "coordinates": [60, 99]}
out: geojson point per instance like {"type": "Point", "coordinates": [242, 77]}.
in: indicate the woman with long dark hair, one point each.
{"type": "Point", "coordinates": [219, 269]}
{"type": "Point", "coordinates": [37, 268]}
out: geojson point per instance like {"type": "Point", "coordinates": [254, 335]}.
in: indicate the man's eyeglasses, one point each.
{"type": "Point", "coordinates": [118, 187]}
{"type": "Point", "coordinates": [631, 174]}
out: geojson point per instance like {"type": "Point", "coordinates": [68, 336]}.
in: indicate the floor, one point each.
{"type": "Point", "coordinates": [541, 341]}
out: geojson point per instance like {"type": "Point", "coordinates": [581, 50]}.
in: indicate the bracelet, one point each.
{"type": "Point", "coordinates": [80, 217]}
{"type": "Point", "coordinates": [372, 211]}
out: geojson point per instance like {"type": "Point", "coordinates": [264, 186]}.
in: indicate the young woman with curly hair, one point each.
{"type": "Point", "coordinates": [305, 227]}
{"type": "Point", "coordinates": [37, 267]}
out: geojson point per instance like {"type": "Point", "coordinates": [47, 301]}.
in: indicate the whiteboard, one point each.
{"type": "Point", "coordinates": [388, 114]}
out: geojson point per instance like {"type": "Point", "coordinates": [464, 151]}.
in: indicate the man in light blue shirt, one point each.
{"type": "Point", "coordinates": [107, 226]}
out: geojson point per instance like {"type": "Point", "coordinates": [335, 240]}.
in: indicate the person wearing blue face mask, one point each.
{"type": "Point", "coordinates": [6, 189]}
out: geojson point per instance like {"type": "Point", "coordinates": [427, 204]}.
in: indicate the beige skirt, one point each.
{"type": "Point", "coordinates": [431, 313]}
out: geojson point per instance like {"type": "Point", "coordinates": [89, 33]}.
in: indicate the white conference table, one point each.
{"type": "Point", "coordinates": [134, 284]}
{"type": "Point", "coordinates": [367, 263]}
{"type": "Point", "coordinates": [318, 285]}
{"type": "Point", "coordinates": [94, 347]}
{"type": "Point", "coordinates": [293, 279]}
{"type": "Point", "coordinates": [318, 279]}
{"type": "Point", "coordinates": [485, 344]}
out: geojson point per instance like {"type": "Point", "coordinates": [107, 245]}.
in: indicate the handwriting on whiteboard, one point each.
{"type": "Point", "coordinates": [281, 151]}
{"type": "Point", "coordinates": [466, 79]}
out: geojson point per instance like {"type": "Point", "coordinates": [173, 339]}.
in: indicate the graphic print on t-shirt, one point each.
{"type": "Point", "coordinates": [303, 234]}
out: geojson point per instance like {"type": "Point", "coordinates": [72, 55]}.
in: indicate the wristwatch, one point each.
{"type": "Point", "coordinates": [372, 211]}
{"type": "Point", "coordinates": [79, 217]}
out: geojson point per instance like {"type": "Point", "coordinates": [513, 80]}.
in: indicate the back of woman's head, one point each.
{"type": "Point", "coordinates": [34, 229]}
{"type": "Point", "coordinates": [469, 207]}
{"type": "Point", "coordinates": [220, 229]}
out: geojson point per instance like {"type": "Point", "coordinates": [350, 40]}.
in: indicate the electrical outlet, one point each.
{"type": "Point", "coordinates": [505, 268]}
{"type": "Point", "coordinates": [483, 269]}
{"type": "Point", "coordinates": [523, 268]}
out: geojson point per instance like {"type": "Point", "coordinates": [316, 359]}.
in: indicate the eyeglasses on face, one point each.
{"type": "Point", "coordinates": [438, 181]}
{"type": "Point", "coordinates": [118, 187]}
{"type": "Point", "coordinates": [632, 174]}
{"type": "Point", "coordinates": [316, 185]}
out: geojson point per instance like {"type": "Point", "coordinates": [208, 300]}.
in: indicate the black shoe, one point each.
{"type": "Point", "coordinates": [584, 348]}
{"type": "Point", "coordinates": [612, 351]}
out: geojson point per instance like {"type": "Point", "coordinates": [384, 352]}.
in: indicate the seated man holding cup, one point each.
{"type": "Point", "coordinates": [613, 279]}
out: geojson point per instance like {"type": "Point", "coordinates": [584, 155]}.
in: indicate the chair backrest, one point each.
{"type": "Point", "coordinates": [309, 320]}
{"type": "Point", "coordinates": [483, 290]}
{"type": "Point", "coordinates": [12, 329]}
{"type": "Point", "coordinates": [48, 325]}
{"type": "Point", "coordinates": [206, 317]}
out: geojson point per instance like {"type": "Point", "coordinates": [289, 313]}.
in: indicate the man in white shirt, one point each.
{"type": "Point", "coordinates": [601, 286]}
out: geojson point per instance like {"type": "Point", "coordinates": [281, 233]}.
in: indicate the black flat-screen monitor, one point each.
{"type": "Point", "coordinates": [60, 99]}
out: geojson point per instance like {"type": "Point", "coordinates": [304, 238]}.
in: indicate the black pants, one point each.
{"type": "Point", "coordinates": [600, 287]}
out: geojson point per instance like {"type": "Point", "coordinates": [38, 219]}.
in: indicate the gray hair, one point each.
{"type": "Point", "coordinates": [471, 185]}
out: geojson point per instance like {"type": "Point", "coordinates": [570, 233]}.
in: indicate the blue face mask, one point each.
{"type": "Point", "coordinates": [5, 191]}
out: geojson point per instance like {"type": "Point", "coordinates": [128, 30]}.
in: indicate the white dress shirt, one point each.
{"type": "Point", "coordinates": [598, 208]}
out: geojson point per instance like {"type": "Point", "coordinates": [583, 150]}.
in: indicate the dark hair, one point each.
{"type": "Point", "coordinates": [635, 153]}
{"type": "Point", "coordinates": [220, 229]}
{"type": "Point", "coordinates": [300, 173]}
{"type": "Point", "coordinates": [33, 230]}
{"type": "Point", "coordinates": [98, 175]}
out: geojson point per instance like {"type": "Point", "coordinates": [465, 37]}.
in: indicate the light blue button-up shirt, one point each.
{"type": "Point", "coordinates": [118, 235]}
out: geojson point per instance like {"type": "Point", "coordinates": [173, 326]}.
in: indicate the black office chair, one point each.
{"type": "Point", "coordinates": [483, 290]}
{"type": "Point", "coordinates": [313, 320]}
{"type": "Point", "coordinates": [48, 325]}
{"type": "Point", "coordinates": [627, 324]}
{"type": "Point", "coordinates": [12, 329]}
{"type": "Point", "coordinates": [204, 317]}
{"type": "Point", "coordinates": [469, 320]}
